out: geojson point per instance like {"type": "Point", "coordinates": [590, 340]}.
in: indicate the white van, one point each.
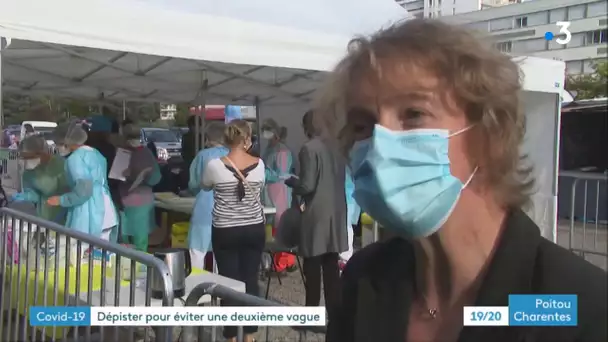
{"type": "Point", "coordinates": [44, 128]}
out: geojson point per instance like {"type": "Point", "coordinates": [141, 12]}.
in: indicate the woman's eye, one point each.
{"type": "Point", "coordinates": [359, 128]}
{"type": "Point", "coordinates": [412, 117]}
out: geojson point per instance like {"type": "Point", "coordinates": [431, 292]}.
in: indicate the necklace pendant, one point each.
{"type": "Point", "coordinates": [433, 313]}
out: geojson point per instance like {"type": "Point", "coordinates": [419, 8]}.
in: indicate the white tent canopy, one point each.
{"type": "Point", "coordinates": [172, 51]}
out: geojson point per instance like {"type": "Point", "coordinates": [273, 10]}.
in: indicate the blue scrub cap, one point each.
{"type": "Point", "coordinates": [100, 123]}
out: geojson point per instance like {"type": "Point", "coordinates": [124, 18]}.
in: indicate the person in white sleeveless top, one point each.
{"type": "Point", "coordinates": [238, 234]}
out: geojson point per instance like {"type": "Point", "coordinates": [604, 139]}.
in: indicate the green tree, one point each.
{"type": "Point", "coordinates": [15, 106]}
{"type": "Point", "coordinates": [590, 86]}
{"type": "Point", "coordinates": [76, 108]}
{"type": "Point", "coordinates": [148, 112]}
{"type": "Point", "coordinates": [19, 108]}
{"type": "Point", "coordinates": [182, 115]}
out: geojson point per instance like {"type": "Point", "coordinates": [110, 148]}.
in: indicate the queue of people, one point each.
{"type": "Point", "coordinates": [230, 186]}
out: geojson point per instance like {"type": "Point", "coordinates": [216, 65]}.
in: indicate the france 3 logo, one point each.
{"type": "Point", "coordinates": [564, 35]}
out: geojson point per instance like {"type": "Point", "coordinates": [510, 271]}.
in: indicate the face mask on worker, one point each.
{"type": "Point", "coordinates": [403, 179]}
{"type": "Point", "coordinates": [267, 135]}
{"type": "Point", "coordinates": [63, 150]}
{"type": "Point", "coordinates": [31, 164]}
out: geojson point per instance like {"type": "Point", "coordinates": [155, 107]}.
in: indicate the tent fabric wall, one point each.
{"type": "Point", "coordinates": [541, 146]}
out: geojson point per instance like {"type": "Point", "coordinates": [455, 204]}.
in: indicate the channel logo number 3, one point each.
{"type": "Point", "coordinates": [564, 30]}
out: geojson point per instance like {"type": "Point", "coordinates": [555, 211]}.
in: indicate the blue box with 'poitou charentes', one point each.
{"type": "Point", "coordinates": [543, 310]}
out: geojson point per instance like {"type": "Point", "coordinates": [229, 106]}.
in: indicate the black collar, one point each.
{"type": "Point", "coordinates": [511, 271]}
{"type": "Point", "coordinates": [386, 293]}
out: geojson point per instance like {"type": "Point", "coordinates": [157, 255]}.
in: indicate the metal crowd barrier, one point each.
{"type": "Point", "coordinates": [217, 291]}
{"type": "Point", "coordinates": [45, 264]}
{"type": "Point", "coordinates": [588, 221]}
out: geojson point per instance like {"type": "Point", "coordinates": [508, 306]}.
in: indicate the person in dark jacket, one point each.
{"type": "Point", "coordinates": [442, 171]}
{"type": "Point", "coordinates": [100, 130]}
{"type": "Point", "coordinates": [189, 142]}
{"type": "Point", "coordinates": [323, 235]}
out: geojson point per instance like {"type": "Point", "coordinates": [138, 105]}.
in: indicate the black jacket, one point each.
{"type": "Point", "coordinates": [377, 289]}
{"type": "Point", "coordinates": [108, 150]}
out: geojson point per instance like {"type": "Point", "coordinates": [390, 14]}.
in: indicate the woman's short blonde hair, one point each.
{"type": "Point", "coordinates": [237, 132]}
{"type": "Point", "coordinates": [484, 83]}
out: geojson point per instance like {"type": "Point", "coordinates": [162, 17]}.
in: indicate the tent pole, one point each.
{"type": "Point", "coordinates": [2, 46]}
{"type": "Point", "coordinates": [199, 120]}
{"type": "Point", "coordinates": [258, 122]}
{"type": "Point", "coordinates": [124, 110]}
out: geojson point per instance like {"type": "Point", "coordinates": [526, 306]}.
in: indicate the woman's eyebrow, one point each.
{"type": "Point", "coordinates": [410, 96]}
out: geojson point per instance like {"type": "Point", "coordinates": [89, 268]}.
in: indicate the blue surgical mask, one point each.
{"type": "Point", "coordinates": [404, 181]}
{"type": "Point", "coordinates": [358, 152]}
{"type": "Point", "coordinates": [63, 151]}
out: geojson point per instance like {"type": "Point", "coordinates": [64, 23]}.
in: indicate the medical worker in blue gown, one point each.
{"type": "Point", "coordinates": [279, 163]}
{"type": "Point", "coordinates": [90, 208]}
{"type": "Point", "coordinates": [353, 212]}
{"type": "Point", "coordinates": [199, 235]}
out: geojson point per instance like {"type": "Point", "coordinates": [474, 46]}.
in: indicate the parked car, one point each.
{"type": "Point", "coordinates": [165, 141]}
{"type": "Point", "coordinates": [43, 128]}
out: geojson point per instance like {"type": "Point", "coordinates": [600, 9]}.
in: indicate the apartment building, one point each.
{"type": "Point", "coordinates": [439, 8]}
{"type": "Point", "coordinates": [520, 29]}
{"type": "Point", "coordinates": [168, 111]}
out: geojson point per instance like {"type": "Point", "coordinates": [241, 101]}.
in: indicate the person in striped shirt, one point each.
{"type": "Point", "coordinates": [238, 234]}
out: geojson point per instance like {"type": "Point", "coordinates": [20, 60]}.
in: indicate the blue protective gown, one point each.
{"type": "Point", "coordinates": [87, 176]}
{"type": "Point", "coordinates": [279, 162]}
{"type": "Point", "coordinates": [199, 234]}
{"type": "Point", "coordinates": [353, 209]}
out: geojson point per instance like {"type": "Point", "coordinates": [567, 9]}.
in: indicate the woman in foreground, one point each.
{"type": "Point", "coordinates": [238, 234]}
{"type": "Point", "coordinates": [442, 171]}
